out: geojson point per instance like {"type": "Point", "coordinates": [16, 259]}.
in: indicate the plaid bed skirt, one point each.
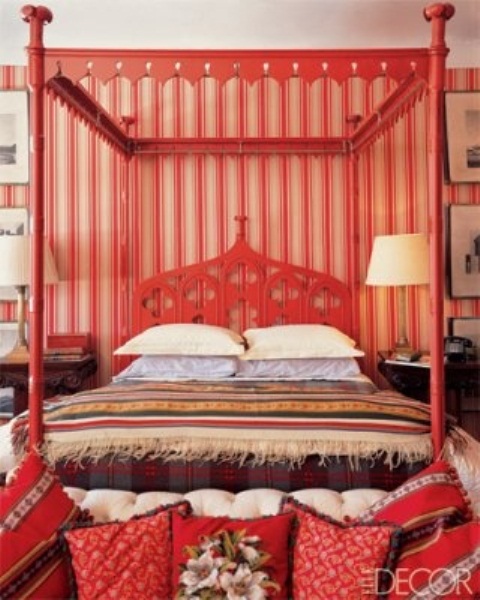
{"type": "Point", "coordinates": [184, 476]}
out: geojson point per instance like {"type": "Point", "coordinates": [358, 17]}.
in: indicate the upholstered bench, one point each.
{"type": "Point", "coordinates": [110, 505]}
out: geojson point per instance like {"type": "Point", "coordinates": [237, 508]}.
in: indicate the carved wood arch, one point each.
{"type": "Point", "coordinates": [239, 289]}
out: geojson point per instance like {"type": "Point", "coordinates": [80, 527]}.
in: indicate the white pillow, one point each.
{"type": "Point", "coordinates": [298, 341]}
{"type": "Point", "coordinates": [179, 367]}
{"type": "Point", "coordinates": [185, 338]}
{"type": "Point", "coordinates": [299, 368]}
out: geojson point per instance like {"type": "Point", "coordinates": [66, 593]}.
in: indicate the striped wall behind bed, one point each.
{"type": "Point", "coordinates": [181, 208]}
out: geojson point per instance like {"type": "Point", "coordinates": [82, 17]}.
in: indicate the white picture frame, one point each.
{"type": "Point", "coordinates": [462, 127]}
{"type": "Point", "coordinates": [464, 250]}
{"type": "Point", "coordinates": [14, 135]}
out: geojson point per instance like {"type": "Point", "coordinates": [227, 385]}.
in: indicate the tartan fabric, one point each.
{"type": "Point", "coordinates": [183, 476]}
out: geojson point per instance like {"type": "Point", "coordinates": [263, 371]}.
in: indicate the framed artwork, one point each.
{"type": "Point", "coordinates": [462, 127]}
{"type": "Point", "coordinates": [14, 147]}
{"type": "Point", "coordinates": [468, 327]}
{"type": "Point", "coordinates": [464, 250]}
{"type": "Point", "coordinates": [13, 221]}
{"type": "Point", "coordinates": [8, 336]}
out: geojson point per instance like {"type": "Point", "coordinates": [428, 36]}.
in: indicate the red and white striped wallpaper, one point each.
{"type": "Point", "coordinates": [180, 208]}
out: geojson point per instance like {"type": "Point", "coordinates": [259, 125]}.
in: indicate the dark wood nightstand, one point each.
{"type": "Point", "coordinates": [413, 380]}
{"type": "Point", "coordinates": [60, 377]}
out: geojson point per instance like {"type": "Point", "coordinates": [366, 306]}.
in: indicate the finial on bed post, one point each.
{"type": "Point", "coordinates": [241, 227]}
{"type": "Point", "coordinates": [37, 16]}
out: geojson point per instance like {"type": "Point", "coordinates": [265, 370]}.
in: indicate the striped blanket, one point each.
{"type": "Point", "coordinates": [242, 421]}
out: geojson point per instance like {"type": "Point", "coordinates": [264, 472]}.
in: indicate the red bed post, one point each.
{"type": "Point", "coordinates": [438, 14]}
{"type": "Point", "coordinates": [36, 17]}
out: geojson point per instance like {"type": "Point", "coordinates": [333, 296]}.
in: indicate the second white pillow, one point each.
{"type": "Point", "coordinates": [298, 341]}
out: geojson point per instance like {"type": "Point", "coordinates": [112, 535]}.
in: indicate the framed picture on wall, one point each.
{"type": "Point", "coordinates": [464, 250]}
{"type": "Point", "coordinates": [462, 126]}
{"type": "Point", "coordinates": [13, 221]}
{"type": "Point", "coordinates": [14, 152]}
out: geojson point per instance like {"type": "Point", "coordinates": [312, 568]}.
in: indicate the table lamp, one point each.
{"type": "Point", "coordinates": [399, 260]}
{"type": "Point", "coordinates": [15, 272]}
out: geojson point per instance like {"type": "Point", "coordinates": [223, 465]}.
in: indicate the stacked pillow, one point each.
{"type": "Point", "coordinates": [420, 538]}
{"type": "Point", "coordinates": [197, 351]}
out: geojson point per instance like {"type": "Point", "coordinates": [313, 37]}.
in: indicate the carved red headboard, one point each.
{"type": "Point", "coordinates": [240, 289]}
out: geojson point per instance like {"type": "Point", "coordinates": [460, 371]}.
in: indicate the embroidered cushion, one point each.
{"type": "Point", "coordinates": [124, 559]}
{"type": "Point", "coordinates": [33, 506]}
{"type": "Point", "coordinates": [446, 564]}
{"type": "Point", "coordinates": [222, 554]}
{"type": "Point", "coordinates": [418, 505]}
{"type": "Point", "coordinates": [339, 560]}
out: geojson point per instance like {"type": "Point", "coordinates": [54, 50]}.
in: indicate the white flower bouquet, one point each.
{"type": "Point", "coordinates": [228, 565]}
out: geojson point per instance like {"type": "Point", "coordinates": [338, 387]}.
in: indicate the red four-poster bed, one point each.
{"type": "Point", "coordinates": [269, 408]}
{"type": "Point", "coordinates": [419, 71]}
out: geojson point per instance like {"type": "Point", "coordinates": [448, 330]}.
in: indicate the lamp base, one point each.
{"type": "Point", "coordinates": [19, 354]}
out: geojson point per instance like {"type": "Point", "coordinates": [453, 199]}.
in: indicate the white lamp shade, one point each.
{"type": "Point", "coordinates": [399, 260]}
{"type": "Point", "coordinates": [15, 261]}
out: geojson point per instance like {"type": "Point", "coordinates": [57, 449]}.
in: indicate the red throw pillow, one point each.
{"type": "Point", "coordinates": [339, 560]}
{"type": "Point", "coordinates": [432, 496]}
{"type": "Point", "coordinates": [33, 562]}
{"type": "Point", "coordinates": [225, 556]}
{"type": "Point", "coordinates": [124, 559]}
{"type": "Point", "coordinates": [446, 564]}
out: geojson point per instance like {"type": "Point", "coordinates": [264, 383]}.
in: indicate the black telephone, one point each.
{"type": "Point", "coordinates": [455, 348]}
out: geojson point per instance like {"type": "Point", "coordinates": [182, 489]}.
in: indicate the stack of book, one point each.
{"type": "Point", "coordinates": [67, 346]}
{"type": "Point", "coordinates": [65, 353]}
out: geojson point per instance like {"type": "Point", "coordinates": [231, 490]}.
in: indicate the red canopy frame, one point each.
{"type": "Point", "coordinates": [419, 70]}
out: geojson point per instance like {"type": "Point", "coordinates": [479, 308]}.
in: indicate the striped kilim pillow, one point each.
{"type": "Point", "coordinates": [33, 506]}
{"type": "Point", "coordinates": [444, 564]}
{"type": "Point", "coordinates": [429, 498]}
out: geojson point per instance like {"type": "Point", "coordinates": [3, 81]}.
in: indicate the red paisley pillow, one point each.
{"type": "Point", "coordinates": [125, 559]}
{"type": "Point", "coordinates": [339, 560]}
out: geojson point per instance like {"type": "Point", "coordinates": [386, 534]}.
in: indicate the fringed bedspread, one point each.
{"type": "Point", "coordinates": [246, 422]}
